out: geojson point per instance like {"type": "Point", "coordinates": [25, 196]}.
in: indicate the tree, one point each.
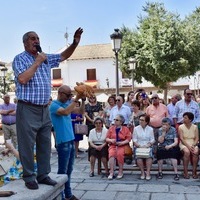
{"type": "Point", "coordinates": [166, 47]}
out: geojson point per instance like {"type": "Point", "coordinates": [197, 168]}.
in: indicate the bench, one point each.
{"type": "Point", "coordinates": [166, 167]}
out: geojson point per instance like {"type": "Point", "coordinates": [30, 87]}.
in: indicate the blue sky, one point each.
{"type": "Point", "coordinates": [51, 18]}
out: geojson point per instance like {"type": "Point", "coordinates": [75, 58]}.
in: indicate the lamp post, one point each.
{"type": "Point", "coordinates": [107, 82]}
{"type": "Point", "coordinates": [132, 64]}
{"type": "Point", "coordinates": [3, 70]}
{"type": "Point", "coordinates": [116, 39]}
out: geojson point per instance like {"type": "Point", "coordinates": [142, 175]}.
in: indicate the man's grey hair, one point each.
{"type": "Point", "coordinates": [26, 36]}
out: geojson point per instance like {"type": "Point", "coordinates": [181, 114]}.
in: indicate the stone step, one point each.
{"type": "Point", "coordinates": [44, 192]}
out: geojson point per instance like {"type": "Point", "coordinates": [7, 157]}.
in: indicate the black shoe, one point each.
{"type": "Point", "coordinates": [91, 174]}
{"type": "Point", "coordinates": [176, 177]}
{"type": "Point", "coordinates": [48, 181]}
{"type": "Point", "coordinates": [72, 198]}
{"type": "Point", "coordinates": [32, 185]}
{"type": "Point", "coordinates": [160, 175]}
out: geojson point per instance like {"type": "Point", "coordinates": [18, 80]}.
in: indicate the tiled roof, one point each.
{"type": "Point", "coordinates": [94, 51]}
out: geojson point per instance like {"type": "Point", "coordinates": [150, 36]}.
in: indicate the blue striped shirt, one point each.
{"type": "Point", "coordinates": [38, 88]}
{"type": "Point", "coordinates": [181, 107]}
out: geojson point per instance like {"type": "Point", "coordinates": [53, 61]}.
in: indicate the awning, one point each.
{"type": "Point", "coordinates": [92, 83]}
{"type": "Point", "coordinates": [56, 82]}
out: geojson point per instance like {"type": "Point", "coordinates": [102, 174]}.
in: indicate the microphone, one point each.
{"type": "Point", "coordinates": [39, 49]}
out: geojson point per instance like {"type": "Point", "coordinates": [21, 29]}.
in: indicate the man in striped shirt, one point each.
{"type": "Point", "coordinates": [32, 72]}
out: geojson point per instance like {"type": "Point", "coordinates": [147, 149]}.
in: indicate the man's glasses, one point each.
{"type": "Point", "coordinates": [117, 120]}
{"type": "Point", "coordinates": [189, 94]}
{"type": "Point", "coordinates": [154, 98]}
{"type": "Point", "coordinates": [67, 94]}
{"type": "Point", "coordinates": [118, 100]}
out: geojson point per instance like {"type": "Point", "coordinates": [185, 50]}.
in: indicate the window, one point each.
{"type": "Point", "coordinates": [91, 74]}
{"type": "Point", "coordinates": [56, 73]}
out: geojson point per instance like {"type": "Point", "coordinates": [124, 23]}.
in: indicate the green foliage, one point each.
{"type": "Point", "coordinates": [165, 46]}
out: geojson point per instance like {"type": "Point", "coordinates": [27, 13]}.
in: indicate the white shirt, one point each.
{"type": "Point", "coordinates": [143, 136]}
{"type": "Point", "coordinates": [124, 110]}
{"type": "Point", "coordinates": [98, 137]}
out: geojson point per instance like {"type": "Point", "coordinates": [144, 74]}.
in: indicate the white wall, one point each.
{"type": "Point", "coordinates": [76, 71]}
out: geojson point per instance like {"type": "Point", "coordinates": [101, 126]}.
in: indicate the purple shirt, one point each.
{"type": "Point", "coordinates": [8, 119]}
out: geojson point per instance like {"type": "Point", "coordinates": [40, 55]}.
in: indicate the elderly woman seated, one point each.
{"type": "Point", "coordinates": [98, 146]}
{"type": "Point", "coordinates": [143, 137]}
{"type": "Point", "coordinates": [189, 139]}
{"type": "Point", "coordinates": [117, 137]}
{"type": "Point", "coordinates": [167, 147]}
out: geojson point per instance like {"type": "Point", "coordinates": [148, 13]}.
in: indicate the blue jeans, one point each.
{"type": "Point", "coordinates": [66, 155]}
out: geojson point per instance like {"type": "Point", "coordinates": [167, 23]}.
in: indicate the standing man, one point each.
{"type": "Point", "coordinates": [156, 111]}
{"type": "Point", "coordinates": [186, 105]}
{"type": "Point", "coordinates": [33, 88]}
{"type": "Point", "coordinates": [121, 109]}
{"type": "Point", "coordinates": [60, 110]}
{"type": "Point", "coordinates": [171, 108]}
{"type": "Point", "coordinates": [8, 113]}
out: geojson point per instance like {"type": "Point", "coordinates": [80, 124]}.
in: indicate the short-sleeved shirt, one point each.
{"type": "Point", "coordinates": [169, 137]}
{"type": "Point", "coordinates": [38, 88]}
{"type": "Point", "coordinates": [157, 113]}
{"type": "Point", "coordinates": [8, 119]}
{"type": "Point", "coordinates": [62, 123]}
{"type": "Point", "coordinates": [98, 138]}
{"type": "Point", "coordinates": [123, 110]}
{"type": "Point", "coordinates": [181, 107]}
{"type": "Point", "coordinates": [93, 111]}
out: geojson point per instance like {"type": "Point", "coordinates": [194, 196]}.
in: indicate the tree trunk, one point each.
{"type": "Point", "coordinates": [165, 96]}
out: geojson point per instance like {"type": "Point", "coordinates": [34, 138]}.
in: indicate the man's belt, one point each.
{"type": "Point", "coordinates": [8, 124]}
{"type": "Point", "coordinates": [32, 104]}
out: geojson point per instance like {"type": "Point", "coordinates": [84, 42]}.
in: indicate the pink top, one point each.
{"type": "Point", "coordinates": [157, 113]}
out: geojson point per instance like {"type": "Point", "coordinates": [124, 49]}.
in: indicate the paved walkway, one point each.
{"type": "Point", "coordinates": [130, 187]}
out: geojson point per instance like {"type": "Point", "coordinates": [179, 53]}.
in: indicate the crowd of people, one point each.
{"type": "Point", "coordinates": [160, 132]}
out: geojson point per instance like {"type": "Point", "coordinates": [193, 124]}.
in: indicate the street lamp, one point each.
{"type": "Point", "coordinates": [132, 64]}
{"type": "Point", "coordinates": [116, 39]}
{"type": "Point", "coordinates": [4, 70]}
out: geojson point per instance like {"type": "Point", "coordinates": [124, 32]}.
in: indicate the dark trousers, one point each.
{"type": "Point", "coordinates": [34, 126]}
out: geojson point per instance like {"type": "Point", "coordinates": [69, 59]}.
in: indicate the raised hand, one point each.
{"type": "Point", "coordinates": [77, 36]}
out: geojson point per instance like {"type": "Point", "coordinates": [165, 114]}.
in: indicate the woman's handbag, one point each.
{"type": "Point", "coordinates": [128, 151]}
{"type": "Point", "coordinates": [143, 152]}
{"type": "Point", "coordinates": [81, 129]}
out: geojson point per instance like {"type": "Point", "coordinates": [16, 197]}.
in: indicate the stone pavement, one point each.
{"type": "Point", "coordinates": [130, 186]}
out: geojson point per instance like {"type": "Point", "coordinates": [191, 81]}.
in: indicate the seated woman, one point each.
{"type": "Point", "coordinates": [98, 147]}
{"type": "Point", "coordinates": [117, 137]}
{"type": "Point", "coordinates": [167, 147]}
{"type": "Point", "coordinates": [189, 138]}
{"type": "Point", "coordinates": [143, 137]}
